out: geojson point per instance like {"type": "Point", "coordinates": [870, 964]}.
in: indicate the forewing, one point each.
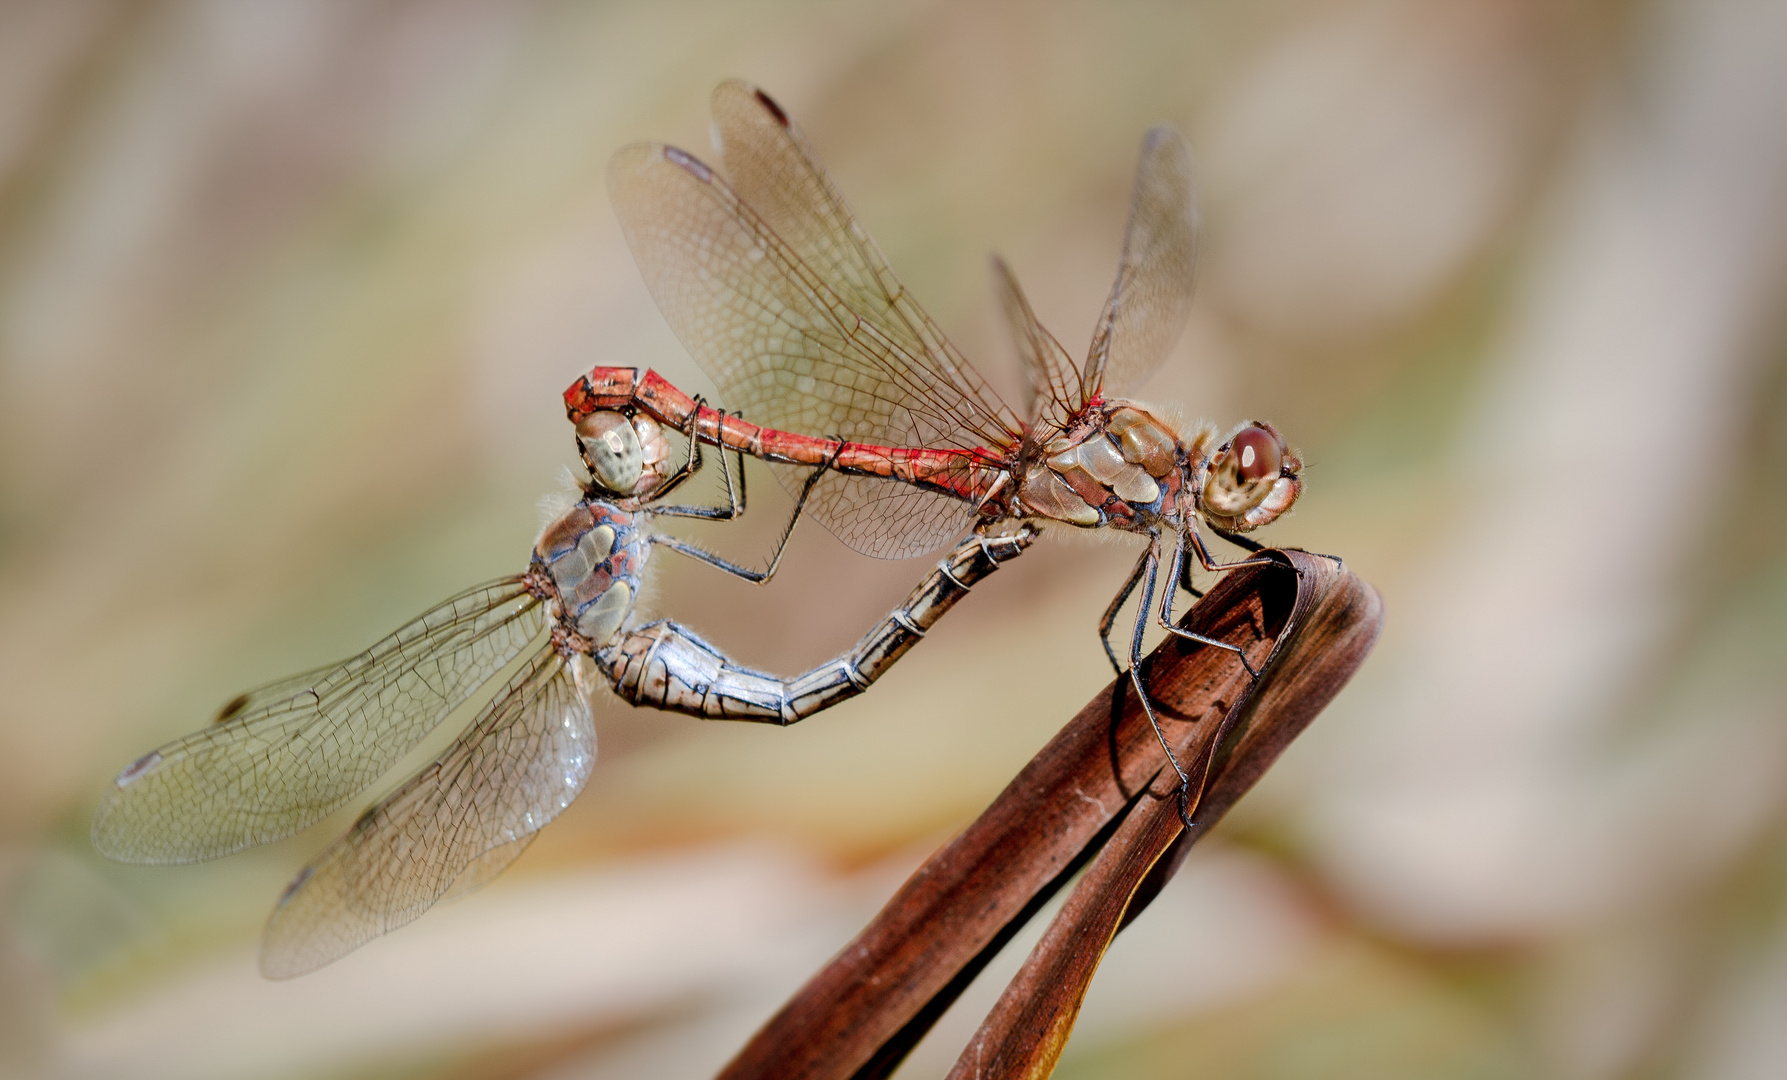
{"type": "Point", "coordinates": [451, 827]}
{"type": "Point", "coordinates": [282, 757]}
{"type": "Point", "coordinates": [1051, 383]}
{"type": "Point", "coordinates": [775, 172]}
{"type": "Point", "coordinates": [1151, 298]}
{"type": "Point", "coordinates": [789, 351]}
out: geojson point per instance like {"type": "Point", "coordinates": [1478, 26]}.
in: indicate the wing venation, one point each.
{"type": "Point", "coordinates": [286, 755]}
{"type": "Point", "coordinates": [450, 828]}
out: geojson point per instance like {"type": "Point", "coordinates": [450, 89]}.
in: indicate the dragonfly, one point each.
{"type": "Point", "coordinates": [776, 289]}
{"type": "Point", "coordinates": [280, 758]}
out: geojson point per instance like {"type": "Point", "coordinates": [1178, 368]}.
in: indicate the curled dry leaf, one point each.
{"type": "Point", "coordinates": [1101, 791]}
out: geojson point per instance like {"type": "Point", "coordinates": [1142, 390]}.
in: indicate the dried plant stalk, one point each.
{"type": "Point", "coordinates": [1098, 788]}
{"type": "Point", "coordinates": [1325, 641]}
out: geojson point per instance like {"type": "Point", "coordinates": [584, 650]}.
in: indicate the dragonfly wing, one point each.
{"type": "Point", "coordinates": [1051, 382]}
{"type": "Point", "coordinates": [883, 519]}
{"type": "Point", "coordinates": [1151, 299]}
{"type": "Point", "coordinates": [485, 868]}
{"type": "Point", "coordinates": [452, 826]}
{"type": "Point", "coordinates": [774, 170]}
{"type": "Point", "coordinates": [790, 351]}
{"type": "Point", "coordinates": [282, 757]}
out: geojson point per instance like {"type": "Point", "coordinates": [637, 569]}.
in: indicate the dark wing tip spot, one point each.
{"type": "Point", "coordinates": [230, 709]}
{"type": "Point", "coordinates": [774, 110]}
{"type": "Point", "coordinates": [689, 163]}
{"type": "Point", "coordinates": [367, 819]}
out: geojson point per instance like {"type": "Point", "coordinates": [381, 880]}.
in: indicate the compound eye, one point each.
{"type": "Point", "coordinates": [1257, 455]}
{"type": "Point", "coordinates": [1252, 479]}
{"type": "Point", "coordinates": [652, 444]}
{"type": "Point", "coordinates": [612, 451]}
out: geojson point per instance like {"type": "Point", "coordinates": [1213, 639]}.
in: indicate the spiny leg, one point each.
{"type": "Point", "coordinates": [690, 466]}
{"type": "Point", "coordinates": [1245, 543]}
{"type": "Point", "coordinates": [735, 499]}
{"type": "Point", "coordinates": [734, 508]}
{"type": "Point", "coordinates": [1250, 545]}
{"type": "Point", "coordinates": [1149, 564]}
{"type": "Point", "coordinates": [1110, 614]}
{"type": "Point", "coordinates": [757, 577]}
{"type": "Point", "coordinates": [1190, 534]}
{"type": "Point", "coordinates": [1184, 576]}
{"type": "Point", "coordinates": [1189, 538]}
{"type": "Point", "coordinates": [1166, 607]}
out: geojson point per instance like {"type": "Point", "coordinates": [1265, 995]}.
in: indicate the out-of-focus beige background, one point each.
{"type": "Point", "coordinates": [288, 293]}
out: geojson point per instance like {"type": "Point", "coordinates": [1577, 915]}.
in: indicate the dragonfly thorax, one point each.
{"type": "Point", "coordinates": [1123, 467]}
{"type": "Point", "coordinates": [1120, 466]}
{"type": "Point", "coordinates": [587, 564]}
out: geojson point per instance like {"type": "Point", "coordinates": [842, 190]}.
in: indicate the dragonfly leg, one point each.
{"type": "Point", "coordinates": [690, 466]}
{"type": "Point", "coordinates": [756, 577]}
{"type": "Point", "coordinates": [1166, 609]}
{"type": "Point", "coordinates": [735, 500]}
{"type": "Point", "coordinates": [735, 496]}
{"type": "Point", "coordinates": [1109, 620]}
{"type": "Point", "coordinates": [1190, 535]}
{"type": "Point", "coordinates": [1147, 567]}
{"type": "Point", "coordinates": [1249, 544]}
{"type": "Point", "coordinates": [1184, 575]}
{"type": "Point", "coordinates": [1245, 543]}
{"type": "Point", "coordinates": [683, 547]}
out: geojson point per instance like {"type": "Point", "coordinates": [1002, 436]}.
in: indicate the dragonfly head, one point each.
{"type": "Point", "coordinates": [625, 455]}
{"type": "Point", "coordinates": [1251, 480]}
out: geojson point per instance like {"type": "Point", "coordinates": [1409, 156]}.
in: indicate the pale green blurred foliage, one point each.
{"type": "Point", "coordinates": [288, 293]}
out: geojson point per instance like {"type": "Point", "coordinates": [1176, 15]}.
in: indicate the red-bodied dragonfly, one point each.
{"type": "Point", "coordinates": [771, 283]}
{"type": "Point", "coordinates": [280, 758]}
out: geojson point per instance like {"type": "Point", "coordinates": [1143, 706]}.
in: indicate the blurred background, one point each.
{"type": "Point", "coordinates": [288, 294]}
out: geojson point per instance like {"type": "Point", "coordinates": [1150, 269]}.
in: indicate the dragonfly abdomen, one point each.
{"type": "Point", "coordinates": [667, 666]}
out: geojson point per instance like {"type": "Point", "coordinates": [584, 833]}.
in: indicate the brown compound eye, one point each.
{"type": "Point", "coordinates": [1256, 454]}
{"type": "Point", "coordinates": [1251, 480]}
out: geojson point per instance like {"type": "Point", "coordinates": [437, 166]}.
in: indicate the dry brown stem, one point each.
{"type": "Point", "coordinates": [1099, 791]}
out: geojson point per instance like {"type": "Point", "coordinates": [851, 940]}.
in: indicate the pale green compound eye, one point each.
{"type": "Point", "coordinates": [612, 451]}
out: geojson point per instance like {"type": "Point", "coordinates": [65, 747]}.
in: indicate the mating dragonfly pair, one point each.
{"type": "Point", "coordinates": [888, 436]}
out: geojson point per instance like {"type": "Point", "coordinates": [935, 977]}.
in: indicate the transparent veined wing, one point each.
{"type": "Point", "coordinates": [883, 519]}
{"type": "Point", "coordinates": [484, 869]}
{"type": "Point", "coordinates": [281, 758]}
{"type": "Point", "coordinates": [1151, 298]}
{"type": "Point", "coordinates": [1052, 391]}
{"type": "Point", "coordinates": [774, 170]}
{"type": "Point", "coordinates": [451, 827]}
{"type": "Point", "coordinates": [795, 353]}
